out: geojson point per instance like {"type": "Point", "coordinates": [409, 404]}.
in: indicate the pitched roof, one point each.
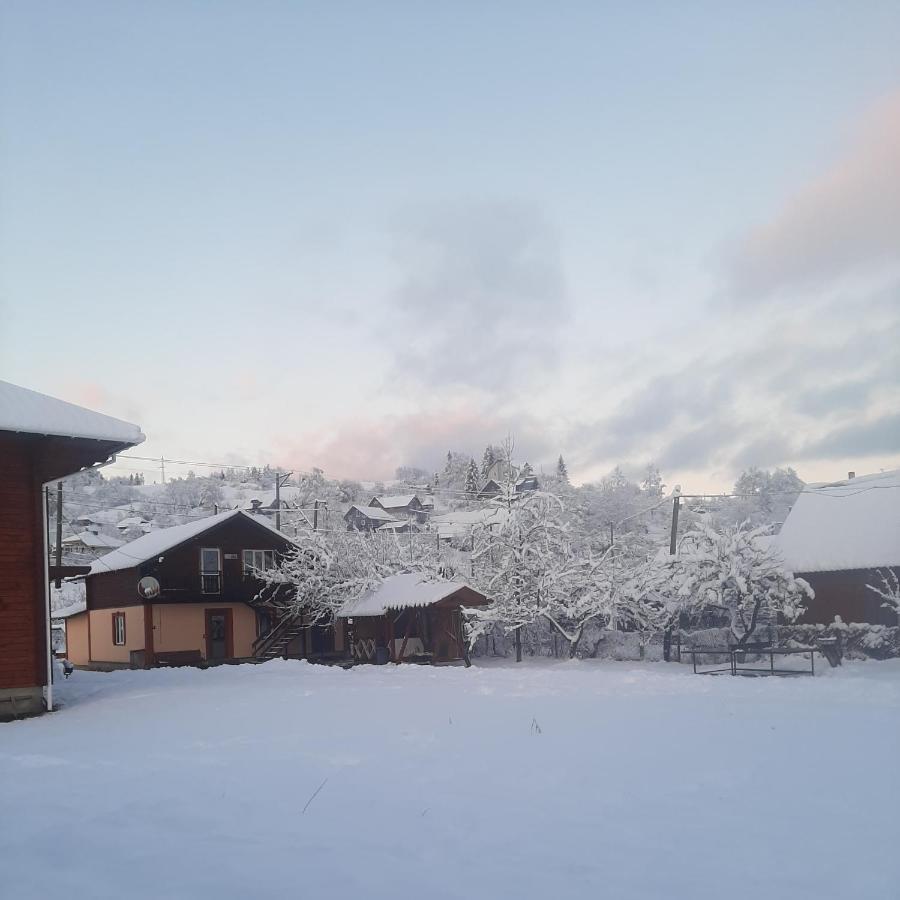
{"type": "Point", "coordinates": [33, 413]}
{"type": "Point", "coordinates": [396, 501]}
{"type": "Point", "coordinates": [852, 524]}
{"type": "Point", "coordinates": [372, 512]}
{"type": "Point", "coordinates": [153, 544]}
{"type": "Point", "coordinates": [400, 592]}
{"type": "Point", "coordinates": [92, 539]}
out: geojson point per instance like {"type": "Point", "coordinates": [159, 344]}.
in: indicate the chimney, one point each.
{"type": "Point", "coordinates": [851, 476]}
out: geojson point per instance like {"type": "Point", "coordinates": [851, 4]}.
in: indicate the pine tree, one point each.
{"type": "Point", "coordinates": [472, 478]}
{"type": "Point", "coordinates": [561, 471]}
{"type": "Point", "coordinates": [487, 461]}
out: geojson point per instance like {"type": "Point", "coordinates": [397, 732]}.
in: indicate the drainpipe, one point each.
{"type": "Point", "coordinates": [45, 490]}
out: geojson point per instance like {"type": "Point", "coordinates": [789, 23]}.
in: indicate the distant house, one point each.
{"type": "Point", "coordinates": [494, 490]}
{"type": "Point", "coordinates": [90, 542]}
{"type": "Point", "coordinates": [409, 618]}
{"type": "Point", "coordinates": [42, 439]}
{"type": "Point", "coordinates": [184, 594]}
{"type": "Point", "coordinates": [401, 506]}
{"type": "Point", "coordinates": [462, 522]}
{"type": "Point", "coordinates": [836, 537]}
{"type": "Point", "coordinates": [366, 518]}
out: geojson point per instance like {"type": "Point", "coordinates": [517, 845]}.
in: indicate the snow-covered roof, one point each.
{"type": "Point", "coordinates": [400, 592]}
{"type": "Point", "coordinates": [852, 524]}
{"type": "Point", "coordinates": [157, 542]}
{"type": "Point", "coordinates": [68, 611]}
{"type": "Point", "coordinates": [33, 413]}
{"type": "Point", "coordinates": [372, 512]}
{"type": "Point", "coordinates": [486, 515]}
{"type": "Point", "coordinates": [92, 539]}
{"type": "Point", "coordinates": [131, 522]}
{"type": "Point", "coordinates": [396, 501]}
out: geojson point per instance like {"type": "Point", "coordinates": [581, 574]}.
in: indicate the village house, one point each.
{"type": "Point", "coordinates": [366, 518]}
{"type": "Point", "coordinates": [401, 506]}
{"type": "Point", "coordinates": [837, 537]}
{"type": "Point", "coordinates": [408, 618]}
{"type": "Point", "coordinates": [90, 542]}
{"type": "Point", "coordinates": [42, 440]}
{"type": "Point", "coordinates": [179, 595]}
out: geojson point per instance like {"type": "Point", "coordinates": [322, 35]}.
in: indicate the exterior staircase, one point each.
{"type": "Point", "coordinates": [275, 641]}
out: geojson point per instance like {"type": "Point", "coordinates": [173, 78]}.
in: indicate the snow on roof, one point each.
{"type": "Point", "coordinates": [92, 539]}
{"type": "Point", "coordinates": [156, 542]}
{"type": "Point", "coordinates": [395, 501]}
{"type": "Point", "coordinates": [400, 592]}
{"type": "Point", "coordinates": [33, 413]}
{"type": "Point", "coordinates": [852, 524]}
{"type": "Point", "coordinates": [372, 512]}
{"type": "Point", "coordinates": [487, 515]}
{"type": "Point", "coordinates": [72, 610]}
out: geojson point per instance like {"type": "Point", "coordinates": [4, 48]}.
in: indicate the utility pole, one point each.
{"type": "Point", "coordinates": [676, 502]}
{"type": "Point", "coordinates": [315, 515]}
{"type": "Point", "coordinates": [59, 514]}
{"type": "Point", "coordinates": [162, 462]}
{"type": "Point", "coordinates": [279, 481]}
{"type": "Point", "coordinates": [673, 546]}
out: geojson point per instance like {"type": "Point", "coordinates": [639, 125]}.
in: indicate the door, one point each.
{"type": "Point", "coordinates": [219, 634]}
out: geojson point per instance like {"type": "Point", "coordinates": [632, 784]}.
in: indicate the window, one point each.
{"type": "Point", "coordinates": [258, 561]}
{"type": "Point", "coordinates": [118, 626]}
{"type": "Point", "coordinates": [211, 570]}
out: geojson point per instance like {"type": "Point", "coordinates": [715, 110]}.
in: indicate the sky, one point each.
{"type": "Point", "coordinates": [357, 235]}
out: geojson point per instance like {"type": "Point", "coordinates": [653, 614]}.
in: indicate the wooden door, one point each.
{"type": "Point", "coordinates": [219, 634]}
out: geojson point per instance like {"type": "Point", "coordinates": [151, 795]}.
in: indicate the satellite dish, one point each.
{"type": "Point", "coordinates": [148, 588]}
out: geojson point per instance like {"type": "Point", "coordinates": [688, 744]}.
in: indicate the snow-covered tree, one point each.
{"type": "Point", "coordinates": [515, 566]}
{"type": "Point", "coordinates": [487, 461]}
{"type": "Point", "coordinates": [652, 485]}
{"type": "Point", "coordinates": [888, 589]}
{"type": "Point", "coordinates": [472, 478]}
{"type": "Point", "coordinates": [561, 471]}
{"type": "Point", "coordinates": [737, 571]}
{"type": "Point", "coordinates": [534, 569]}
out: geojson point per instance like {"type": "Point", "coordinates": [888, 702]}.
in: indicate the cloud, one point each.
{"type": "Point", "coordinates": [844, 221]}
{"type": "Point", "coordinates": [374, 448]}
{"type": "Point", "coordinates": [482, 299]}
{"type": "Point", "coordinates": [879, 436]}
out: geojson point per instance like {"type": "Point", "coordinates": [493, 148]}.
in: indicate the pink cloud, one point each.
{"type": "Point", "coordinates": [373, 448]}
{"type": "Point", "coordinates": [846, 220]}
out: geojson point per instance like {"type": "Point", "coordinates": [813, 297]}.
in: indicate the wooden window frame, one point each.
{"type": "Point", "coordinates": [116, 618]}
{"type": "Point", "coordinates": [252, 569]}
{"type": "Point", "coordinates": [204, 574]}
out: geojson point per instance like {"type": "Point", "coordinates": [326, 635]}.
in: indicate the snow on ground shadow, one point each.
{"type": "Point", "coordinates": [543, 780]}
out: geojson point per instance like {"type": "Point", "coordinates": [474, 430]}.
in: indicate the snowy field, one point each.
{"type": "Point", "coordinates": [545, 780]}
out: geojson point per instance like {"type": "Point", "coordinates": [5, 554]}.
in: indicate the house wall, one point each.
{"type": "Point", "coordinates": [179, 572]}
{"type": "Point", "coordinates": [845, 594]}
{"type": "Point", "coordinates": [77, 639]}
{"type": "Point", "coordinates": [22, 622]}
{"type": "Point", "coordinates": [183, 627]}
{"type": "Point", "coordinates": [101, 637]}
{"type": "Point", "coordinates": [28, 462]}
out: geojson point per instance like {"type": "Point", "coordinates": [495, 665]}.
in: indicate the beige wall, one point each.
{"type": "Point", "coordinates": [183, 627]}
{"type": "Point", "coordinates": [102, 647]}
{"type": "Point", "coordinates": [77, 645]}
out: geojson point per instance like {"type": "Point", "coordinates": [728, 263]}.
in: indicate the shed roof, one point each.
{"type": "Point", "coordinates": [153, 544]}
{"type": "Point", "coordinates": [93, 539]}
{"type": "Point", "coordinates": [28, 411]}
{"type": "Point", "coordinates": [852, 524]}
{"type": "Point", "coordinates": [400, 592]}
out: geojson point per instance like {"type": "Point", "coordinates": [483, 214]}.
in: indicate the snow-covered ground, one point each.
{"type": "Point", "coordinates": [544, 780]}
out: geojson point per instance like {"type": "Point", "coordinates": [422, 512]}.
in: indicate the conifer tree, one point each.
{"type": "Point", "coordinates": [561, 471]}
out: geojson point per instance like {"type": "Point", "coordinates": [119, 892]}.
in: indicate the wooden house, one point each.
{"type": "Point", "coordinates": [42, 439]}
{"type": "Point", "coordinates": [366, 518]}
{"type": "Point", "coordinates": [837, 537]}
{"type": "Point", "coordinates": [408, 618]}
{"type": "Point", "coordinates": [401, 506]}
{"type": "Point", "coordinates": [179, 595]}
